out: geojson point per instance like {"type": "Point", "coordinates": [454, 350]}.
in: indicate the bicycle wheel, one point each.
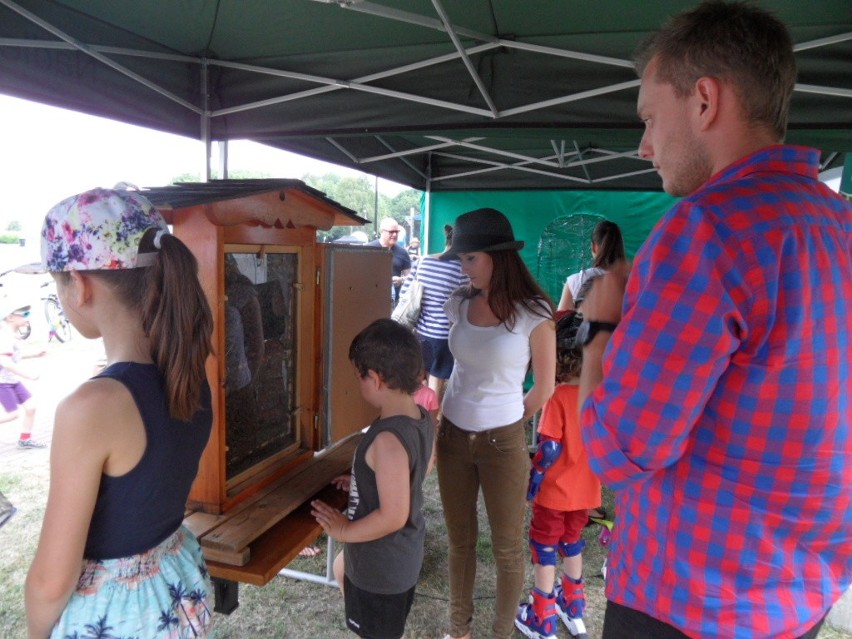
{"type": "Point", "coordinates": [56, 321]}
{"type": "Point", "coordinates": [24, 331]}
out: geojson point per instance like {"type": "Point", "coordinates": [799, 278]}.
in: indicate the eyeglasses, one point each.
{"type": "Point", "coordinates": [390, 232]}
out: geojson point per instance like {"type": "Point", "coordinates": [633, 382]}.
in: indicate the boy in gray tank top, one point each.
{"type": "Point", "coordinates": [383, 527]}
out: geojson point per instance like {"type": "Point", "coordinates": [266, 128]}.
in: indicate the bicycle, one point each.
{"type": "Point", "coordinates": [57, 322]}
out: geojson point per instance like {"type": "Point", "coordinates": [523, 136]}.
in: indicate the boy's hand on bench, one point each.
{"type": "Point", "coordinates": [333, 522]}
{"type": "Point", "coordinates": [341, 482]}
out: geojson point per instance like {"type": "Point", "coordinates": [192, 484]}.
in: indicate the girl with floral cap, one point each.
{"type": "Point", "coordinates": [113, 556]}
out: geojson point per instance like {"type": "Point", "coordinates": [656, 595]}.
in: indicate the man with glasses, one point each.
{"type": "Point", "coordinates": [401, 264]}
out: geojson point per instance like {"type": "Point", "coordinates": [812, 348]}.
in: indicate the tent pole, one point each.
{"type": "Point", "coordinates": [223, 159]}
{"type": "Point", "coordinates": [376, 205]}
{"type": "Point", "coordinates": [205, 123]}
{"type": "Point", "coordinates": [426, 211]}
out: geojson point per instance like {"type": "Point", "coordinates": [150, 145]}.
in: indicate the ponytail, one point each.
{"type": "Point", "coordinates": [607, 237]}
{"type": "Point", "coordinates": [178, 322]}
{"type": "Point", "coordinates": [174, 313]}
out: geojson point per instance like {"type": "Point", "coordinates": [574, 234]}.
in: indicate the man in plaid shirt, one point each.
{"type": "Point", "coordinates": [718, 394]}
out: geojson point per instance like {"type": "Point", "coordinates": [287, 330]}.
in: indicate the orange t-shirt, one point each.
{"type": "Point", "coordinates": [570, 483]}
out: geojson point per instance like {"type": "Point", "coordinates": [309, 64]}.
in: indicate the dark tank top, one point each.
{"type": "Point", "coordinates": [391, 564]}
{"type": "Point", "coordinates": [140, 509]}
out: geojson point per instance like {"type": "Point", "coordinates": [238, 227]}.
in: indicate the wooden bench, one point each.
{"type": "Point", "coordinates": [255, 540]}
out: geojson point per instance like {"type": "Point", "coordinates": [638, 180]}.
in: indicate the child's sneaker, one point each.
{"type": "Point", "coordinates": [537, 619]}
{"type": "Point", "coordinates": [30, 443]}
{"type": "Point", "coordinates": [570, 605]}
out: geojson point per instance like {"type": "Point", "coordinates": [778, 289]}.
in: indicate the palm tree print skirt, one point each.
{"type": "Point", "coordinates": [163, 593]}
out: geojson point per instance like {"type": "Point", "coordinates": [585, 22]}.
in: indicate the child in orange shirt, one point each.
{"type": "Point", "coordinates": [563, 489]}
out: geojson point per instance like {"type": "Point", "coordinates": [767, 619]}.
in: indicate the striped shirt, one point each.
{"type": "Point", "coordinates": [723, 418]}
{"type": "Point", "coordinates": [439, 279]}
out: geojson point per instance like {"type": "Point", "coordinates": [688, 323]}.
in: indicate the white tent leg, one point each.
{"type": "Point", "coordinates": [327, 579]}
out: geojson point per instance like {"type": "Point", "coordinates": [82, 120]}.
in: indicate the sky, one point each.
{"type": "Point", "coordinates": [48, 154]}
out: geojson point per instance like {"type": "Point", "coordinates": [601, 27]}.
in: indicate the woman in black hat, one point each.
{"type": "Point", "coordinates": [502, 323]}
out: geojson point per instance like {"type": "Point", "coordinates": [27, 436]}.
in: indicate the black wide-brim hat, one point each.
{"type": "Point", "coordinates": [481, 230]}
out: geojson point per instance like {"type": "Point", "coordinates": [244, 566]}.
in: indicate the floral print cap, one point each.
{"type": "Point", "coordinates": [97, 230]}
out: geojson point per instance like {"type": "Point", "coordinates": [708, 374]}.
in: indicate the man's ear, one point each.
{"type": "Point", "coordinates": [707, 94]}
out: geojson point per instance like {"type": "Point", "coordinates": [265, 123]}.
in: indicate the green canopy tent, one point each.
{"type": "Point", "coordinates": [447, 96]}
{"type": "Point", "coordinates": [440, 95]}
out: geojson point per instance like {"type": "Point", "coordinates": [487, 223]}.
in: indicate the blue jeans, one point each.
{"type": "Point", "coordinates": [497, 460]}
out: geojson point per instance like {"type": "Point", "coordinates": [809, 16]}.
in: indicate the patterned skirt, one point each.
{"type": "Point", "coordinates": [163, 593]}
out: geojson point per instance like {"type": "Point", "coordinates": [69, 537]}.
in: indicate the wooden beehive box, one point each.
{"type": "Point", "coordinates": [287, 412]}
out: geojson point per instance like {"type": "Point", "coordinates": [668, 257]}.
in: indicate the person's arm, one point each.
{"type": "Point", "coordinates": [14, 367]}
{"type": "Point", "coordinates": [409, 277]}
{"type": "Point", "coordinates": [342, 482]}
{"type": "Point", "coordinates": [433, 458]}
{"type": "Point", "coordinates": [77, 458]}
{"type": "Point", "coordinates": [404, 263]}
{"type": "Point", "coordinates": [389, 461]}
{"type": "Point", "coordinates": [543, 354]}
{"type": "Point", "coordinates": [566, 302]}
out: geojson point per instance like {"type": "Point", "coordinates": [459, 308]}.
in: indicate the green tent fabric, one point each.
{"type": "Point", "coordinates": [440, 95]}
{"type": "Point", "coordinates": [532, 213]}
{"type": "Point", "coordinates": [846, 178]}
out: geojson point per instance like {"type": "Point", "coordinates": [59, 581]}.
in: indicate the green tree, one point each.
{"type": "Point", "coordinates": [14, 225]}
{"type": "Point", "coordinates": [356, 193]}
{"type": "Point", "coordinates": [403, 202]}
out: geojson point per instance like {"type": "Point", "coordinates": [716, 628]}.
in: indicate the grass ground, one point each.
{"type": "Point", "coordinates": [285, 608]}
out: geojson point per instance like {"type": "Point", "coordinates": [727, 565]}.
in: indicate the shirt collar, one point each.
{"type": "Point", "coordinates": [797, 160]}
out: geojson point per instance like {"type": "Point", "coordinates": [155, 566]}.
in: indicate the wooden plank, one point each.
{"type": "Point", "coordinates": [280, 544]}
{"type": "Point", "coordinates": [231, 557]}
{"type": "Point", "coordinates": [201, 523]}
{"type": "Point", "coordinates": [240, 530]}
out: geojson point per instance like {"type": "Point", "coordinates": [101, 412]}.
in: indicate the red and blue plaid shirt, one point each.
{"type": "Point", "coordinates": [723, 418]}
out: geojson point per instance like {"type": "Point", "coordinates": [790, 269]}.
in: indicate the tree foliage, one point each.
{"type": "Point", "coordinates": [358, 194]}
